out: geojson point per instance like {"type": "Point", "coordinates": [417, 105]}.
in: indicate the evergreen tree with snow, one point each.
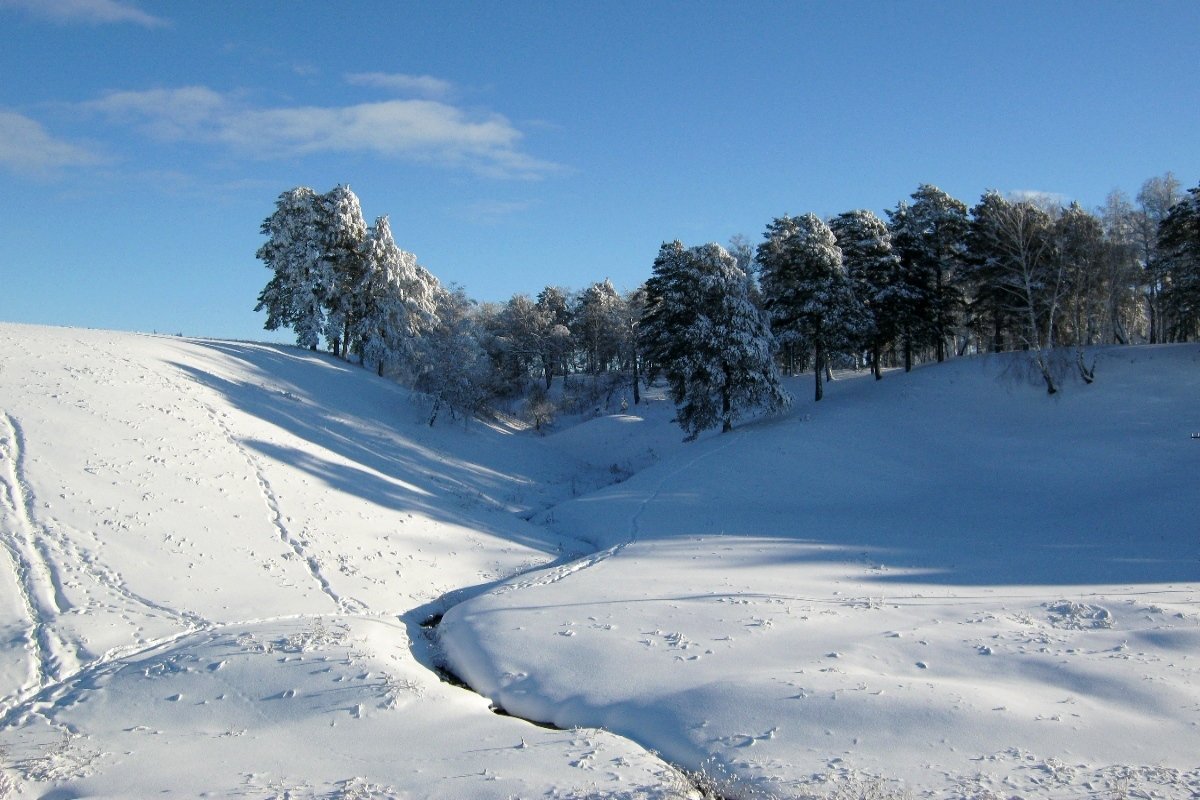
{"type": "Point", "coordinates": [1179, 248]}
{"type": "Point", "coordinates": [929, 235]}
{"type": "Point", "coordinates": [553, 304]}
{"type": "Point", "coordinates": [303, 282]}
{"type": "Point", "coordinates": [713, 344]}
{"type": "Point", "coordinates": [600, 325]}
{"type": "Point", "coordinates": [341, 242]}
{"type": "Point", "coordinates": [993, 317]}
{"type": "Point", "coordinates": [315, 247]}
{"type": "Point", "coordinates": [396, 300]}
{"type": "Point", "coordinates": [873, 268]}
{"type": "Point", "coordinates": [809, 298]}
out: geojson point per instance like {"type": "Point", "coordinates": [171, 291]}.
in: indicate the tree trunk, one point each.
{"type": "Point", "coordinates": [1087, 373]}
{"type": "Point", "coordinates": [939, 325]}
{"type": "Point", "coordinates": [637, 396]}
{"type": "Point", "coordinates": [726, 405]}
{"type": "Point", "coordinates": [819, 359]}
{"type": "Point", "coordinates": [875, 355]}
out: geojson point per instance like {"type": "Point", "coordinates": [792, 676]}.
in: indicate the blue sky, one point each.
{"type": "Point", "coordinates": [515, 145]}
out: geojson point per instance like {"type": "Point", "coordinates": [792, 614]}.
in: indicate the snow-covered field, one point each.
{"type": "Point", "coordinates": [218, 558]}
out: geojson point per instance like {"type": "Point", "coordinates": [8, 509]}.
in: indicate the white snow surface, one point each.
{"type": "Point", "coordinates": [218, 556]}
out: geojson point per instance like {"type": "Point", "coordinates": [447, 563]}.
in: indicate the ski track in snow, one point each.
{"type": "Point", "coordinates": [38, 550]}
{"type": "Point", "coordinates": [36, 578]}
{"type": "Point", "coordinates": [32, 545]}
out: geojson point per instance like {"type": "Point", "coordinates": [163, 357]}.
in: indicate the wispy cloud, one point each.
{"type": "Point", "coordinates": [425, 85]}
{"type": "Point", "coordinates": [420, 130]}
{"type": "Point", "coordinates": [91, 12]}
{"type": "Point", "coordinates": [26, 147]}
{"type": "Point", "coordinates": [491, 212]}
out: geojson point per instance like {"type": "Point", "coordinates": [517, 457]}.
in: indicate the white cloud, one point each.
{"type": "Point", "coordinates": [94, 12]}
{"type": "Point", "coordinates": [423, 130]}
{"type": "Point", "coordinates": [426, 85]}
{"type": "Point", "coordinates": [26, 147]}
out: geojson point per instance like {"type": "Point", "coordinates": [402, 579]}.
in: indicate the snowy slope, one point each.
{"type": "Point", "coordinates": [218, 556]}
{"type": "Point", "coordinates": [947, 583]}
{"type": "Point", "coordinates": [216, 559]}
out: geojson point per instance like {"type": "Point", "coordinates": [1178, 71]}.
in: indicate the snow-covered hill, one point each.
{"type": "Point", "coordinates": [218, 557]}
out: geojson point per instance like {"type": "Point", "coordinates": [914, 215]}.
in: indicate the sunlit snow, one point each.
{"type": "Point", "coordinates": [218, 557]}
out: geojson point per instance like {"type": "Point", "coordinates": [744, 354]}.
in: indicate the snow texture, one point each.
{"type": "Point", "coordinates": [218, 556]}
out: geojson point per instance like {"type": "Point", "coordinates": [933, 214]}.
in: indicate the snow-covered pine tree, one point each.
{"type": "Point", "coordinates": [806, 293]}
{"type": "Point", "coordinates": [714, 345]}
{"type": "Point", "coordinates": [600, 325]}
{"type": "Point", "coordinates": [929, 235]}
{"type": "Point", "coordinates": [552, 303]}
{"type": "Point", "coordinates": [297, 294]}
{"type": "Point", "coordinates": [343, 233]}
{"type": "Point", "coordinates": [874, 271]}
{"type": "Point", "coordinates": [667, 310]}
{"type": "Point", "coordinates": [397, 302]}
{"type": "Point", "coordinates": [1179, 248]}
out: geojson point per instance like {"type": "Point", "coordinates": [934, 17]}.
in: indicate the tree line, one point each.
{"type": "Point", "coordinates": [932, 281]}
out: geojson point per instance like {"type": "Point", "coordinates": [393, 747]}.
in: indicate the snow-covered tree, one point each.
{"type": "Point", "coordinates": [527, 339]}
{"type": "Point", "coordinates": [713, 344]}
{"type": "Point", "coordinates": [452, 366]}
{"type": "Point", "coordinates": [1125, 310]}
{"type": "Point", "coordinates": [296, 295]}
{"type": "Point", "coordinates": [315, 246]}
{"type": "Point", "coordinates": [396, 300]}
{"type": "Point", "coordinates": [1080, 248]}
{"type": "Point", "coordinates": [601, 326]}
{"type": "Point", "coordinates": [807, 295]}
{"type": "Point", "coordinates": [929, 235]}
{"type": "Point", "coordinates": [874, 271]}
{"type": "Point", "coordinates": [1155, 200]}
{"type": "Point", "coordinates": [668, 309]}
{"type": "Point", "coordinates": [553, 303]}
{"type": "Point", "coordinates": [1179, 246]}
{"type": "Point", "coordinates": [343, 234]}
{"type": "Point", "coordinates": [1014, 244]}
